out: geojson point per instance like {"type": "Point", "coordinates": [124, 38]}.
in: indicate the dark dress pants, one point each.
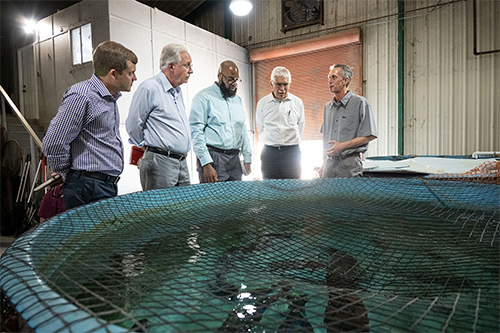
{"type": "Point", "coordinates": [80, 190]}
{"type": "Point", "coordinates": [284, 162]}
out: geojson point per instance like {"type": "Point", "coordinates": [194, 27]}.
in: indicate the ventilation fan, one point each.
{"type": "Point", "coordinates": [300, 13]}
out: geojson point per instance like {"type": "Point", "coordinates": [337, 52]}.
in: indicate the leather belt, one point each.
{"type": "Point", "coordinates": [97, 175]}
{"type": "Point", "coordinates": [224, 151]}
{"type": "Point", "coordinates": [281, 147]}
{"type": "Point", "coordinates": [170, 154]}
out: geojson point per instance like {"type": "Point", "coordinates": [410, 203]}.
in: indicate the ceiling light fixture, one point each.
{"type": "Point", "coordinates": [241, 7]}
{"type": "Point", "coordinates": [29, 26]}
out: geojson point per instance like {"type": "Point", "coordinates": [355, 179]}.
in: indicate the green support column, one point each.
{"type": "Point", "coordinates": [401, 77]}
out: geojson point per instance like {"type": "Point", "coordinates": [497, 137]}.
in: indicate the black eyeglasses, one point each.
{"type": "Point", "coordinates": [231, 80]}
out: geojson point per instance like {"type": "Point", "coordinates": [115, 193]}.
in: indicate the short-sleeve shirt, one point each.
{"type": "Point", "coordinates": [347, 119]}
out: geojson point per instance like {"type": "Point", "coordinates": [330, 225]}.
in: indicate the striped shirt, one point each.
{"type": "Point", "coordinates": [84, 135]}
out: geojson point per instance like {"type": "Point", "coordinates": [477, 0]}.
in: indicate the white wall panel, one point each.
{"type": "Point", "coordinates": [146, 34]}
{"type": "Point", "coordinates": [199, 37]}
{"type": "Point", "coordinates": [138, 39]}
{"type": "Point", "coordinates": [93, 10]}
{"type": "Point", "coordinates": [145, 31]}
{"type": "Point", "coordinates": [166, 24]}
{"type": "Point", "coordinates": [131, 11]}
{"type": "Point", "coordinates": [230, 49]}
{"type": "Point", "coordinates": [45, 28]}
{"type": "Point", "coordinates": [47, 96]}
{"type": "Point", "coordinates": [204, 71]}
{"type": "Point", "coordinates": [66, 20]}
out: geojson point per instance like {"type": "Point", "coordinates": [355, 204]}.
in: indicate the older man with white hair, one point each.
{"type": "Point", "coordinates": [158, 123]}
{"type": "Point", "coordinates": [280, 123]}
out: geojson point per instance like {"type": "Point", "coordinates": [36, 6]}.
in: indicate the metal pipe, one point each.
{"type": "Point", "coordinates": [4, 113]}
{"type": "Point", "coordinates": [347, 25]}
{"type": "Point", "coordinates": [24, 175]}
{"type": "Point", "coordinates": [34, 159]}
{"type": "Point", "coordinates": [485, 153]}
{"type": "Point", "coordinates": [475, 52]}
{"type": "Point", "coordinates": [34, 181]}
{"type": "Point", "coordinates": [21, 118]}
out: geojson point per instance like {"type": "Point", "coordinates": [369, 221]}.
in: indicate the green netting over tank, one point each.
{"type": "Point", "coordinates": [332, 255]}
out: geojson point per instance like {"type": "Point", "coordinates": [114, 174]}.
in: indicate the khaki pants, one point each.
{"type": "Point", "coordinates": [159, 171]}
{"type": "Point", "coordinates": [349, 166]}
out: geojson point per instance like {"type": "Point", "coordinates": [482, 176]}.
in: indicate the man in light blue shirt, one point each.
{"type": "Point", "coordinates": [157, 122]}
{"type": "Point", "coordinates": [218, 129]}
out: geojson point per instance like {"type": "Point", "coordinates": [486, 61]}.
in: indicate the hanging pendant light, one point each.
{"type": "Point", "coordinates": [241, 7]}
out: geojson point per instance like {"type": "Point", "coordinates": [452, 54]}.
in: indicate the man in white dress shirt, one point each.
{"type": "Point", "coordinates": [280, 124]}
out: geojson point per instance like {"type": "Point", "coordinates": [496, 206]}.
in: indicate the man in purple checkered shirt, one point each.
{"type": "Point", "coordinates": [83, 141]}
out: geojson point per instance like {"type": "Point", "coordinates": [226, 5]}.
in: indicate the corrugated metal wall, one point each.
{"type": "Point", "coordinates": [213, 19]}
{"type": "Point", "coordinates": [452, 97]}
{"type": "Point", "coordinates": [380, 61]}
{"type": "Point", "coordinates": [262, 29]}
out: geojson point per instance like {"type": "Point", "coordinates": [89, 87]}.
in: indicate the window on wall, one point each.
{"type": "Point", "coordinates": [81, 44]}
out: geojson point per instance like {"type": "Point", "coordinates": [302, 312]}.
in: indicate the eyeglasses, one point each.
{"type": "Point", "coordinates": [187, 66]}
{"type": "Point", "coordinates": [231, 80]}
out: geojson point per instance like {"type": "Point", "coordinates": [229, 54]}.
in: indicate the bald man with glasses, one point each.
{"type": "Point", "coordinates": [158, 123]}
{"type": "Point", "coordinates": [218, 129]}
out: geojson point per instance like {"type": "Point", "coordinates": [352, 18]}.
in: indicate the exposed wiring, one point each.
{"type": "Point", "coordinates": [363, 22]}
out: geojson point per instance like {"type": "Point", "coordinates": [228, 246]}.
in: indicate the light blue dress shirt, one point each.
{"type": "Point", "coordinates": [85, 133]}
{"type": "Point", "coordinates": [218, 122]}
{"type": "Point", "coordinates": [157, 116]}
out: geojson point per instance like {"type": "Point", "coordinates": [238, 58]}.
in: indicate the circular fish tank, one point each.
{"type": "Point", "coordinates": [365, 255]}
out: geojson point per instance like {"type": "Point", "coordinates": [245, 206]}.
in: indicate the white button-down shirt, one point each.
{"type": "Point", "coordinates": [280, 122]}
